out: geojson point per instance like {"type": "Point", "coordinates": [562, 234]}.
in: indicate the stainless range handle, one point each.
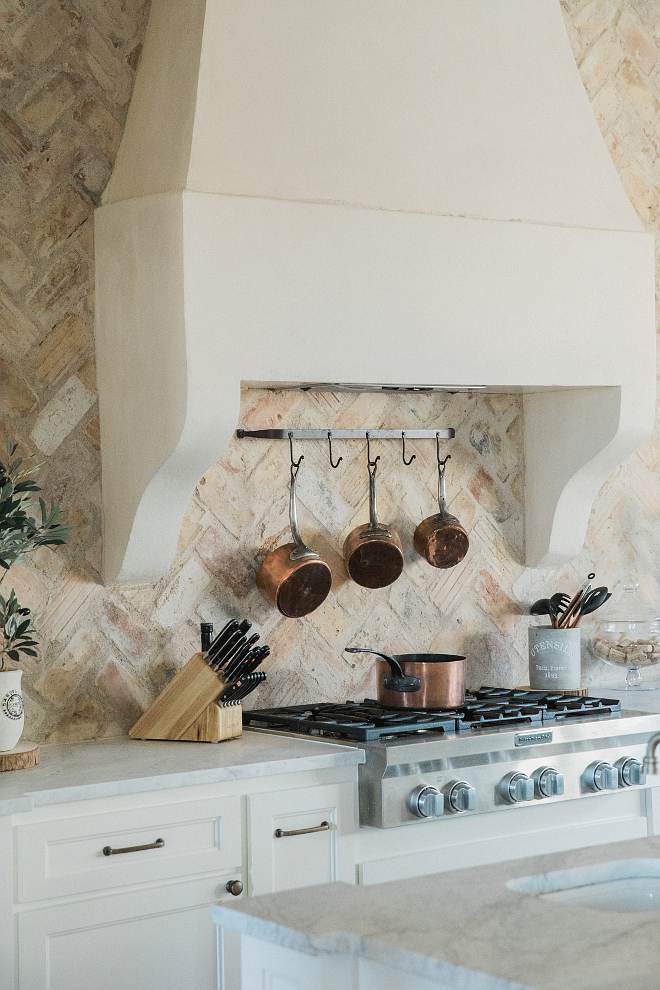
{"type": "Point", "coordinates": [109, 851]}
{"type": "Point", "coordinates": [281, 834]}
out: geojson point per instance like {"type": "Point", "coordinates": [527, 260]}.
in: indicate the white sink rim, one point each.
{"type": "Point", "coordinates": [587, 878]}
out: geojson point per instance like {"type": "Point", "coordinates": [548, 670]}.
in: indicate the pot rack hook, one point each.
{"type": "Point", "coordinates": [371, 464]}
{"type": "Point", "coordinates": [406, 462]}
{"type": "Point", "coordinates": [442, 463]}
{"type": "Point", "coordinates": [295, 465]}
{"type": "Point", "coordinates": [332, 464]}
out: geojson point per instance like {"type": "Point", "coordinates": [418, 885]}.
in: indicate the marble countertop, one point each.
{"type": "Point", "coordinates": [107, 767]}
{"type": "Point", "coordinates": [467, 929]}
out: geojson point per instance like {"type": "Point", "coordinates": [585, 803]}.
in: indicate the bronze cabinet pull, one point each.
{"type": "Point", "coordinates": [281, 834]}
{"type": "Point", "coordinates": [109, 851]}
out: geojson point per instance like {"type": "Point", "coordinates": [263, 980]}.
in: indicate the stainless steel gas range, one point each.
{"type": "Point", "coordinates": [502, 749]}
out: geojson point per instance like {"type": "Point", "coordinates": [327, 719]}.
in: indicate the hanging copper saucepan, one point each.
{"type": "Point", "coordinates": [441, 539]}
{"type": "Point", "coordinates": [294, 578]}
{"type": "Point", "coordinates": [418, 680]}
{"type": "Point", "coordinates": [372, 553]}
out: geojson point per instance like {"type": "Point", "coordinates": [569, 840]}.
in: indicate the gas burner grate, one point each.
{"type": "Point", "coordinates": [362, 721]}
{"type": "Point", "coordinates": [552, 704]}
{"type": "Point", "coordinates": [365, 721]}
{"type": "Point", "coordinates": [489, 714]}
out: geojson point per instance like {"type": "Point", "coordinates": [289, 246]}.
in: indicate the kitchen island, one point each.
{"type": "Point", "coordinates": [460, 930]}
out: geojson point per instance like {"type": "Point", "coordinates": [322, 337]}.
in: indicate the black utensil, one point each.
{"type": "Point", "coordinates": [541, 607]}
{"type": "Point", "coordinates": [594, 601]}
{"type": "Point", "coordinates": [554, 611]}
{"type": "Point", "coordinates": [560, 600]}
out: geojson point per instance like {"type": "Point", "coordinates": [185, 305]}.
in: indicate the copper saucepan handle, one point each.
{"type": "Point", "coordinates": [302, 551]}
{"type": "Point", "coordinates": [374, 529]}
{"type": "Point", "coordinates": [398, 681]}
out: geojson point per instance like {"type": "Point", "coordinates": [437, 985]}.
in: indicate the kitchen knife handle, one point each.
{"type": "Point", "coordinates": [109, 851]}
{"type": "Point", "coordinates": [281, 834]}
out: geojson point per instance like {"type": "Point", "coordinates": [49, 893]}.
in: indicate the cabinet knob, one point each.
{"type": "Point", "coordinates": [234, 887]}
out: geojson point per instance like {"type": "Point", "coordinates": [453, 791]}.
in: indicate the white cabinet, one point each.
{"type": "Point", "coordinates": [140, 919]}
{"type": "Point", "coordinates": [276, 967]}
{"type": "Point", "coordinates": [301, 837]}
{"type": "Point", "coordinates": [155, 939]}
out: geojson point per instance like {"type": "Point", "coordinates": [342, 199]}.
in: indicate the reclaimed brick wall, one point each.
{"type": "Point", "coordinates": [66, 73]}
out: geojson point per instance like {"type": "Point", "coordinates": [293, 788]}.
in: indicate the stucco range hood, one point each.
{"type": "Point", "coordinates": [364, 191]}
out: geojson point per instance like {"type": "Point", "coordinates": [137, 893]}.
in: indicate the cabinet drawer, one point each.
{"type": "Point", "coordinates": [65, 856]}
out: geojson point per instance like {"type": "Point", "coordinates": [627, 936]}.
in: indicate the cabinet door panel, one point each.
{"type": "Point", "coordinates": [157, 939]}
{"type": "Point", "coordinates": [65, 856]}
{"type": "Point", "coordinates": [265, 966]}
{"type": "Point", "coordinates": [300, 860]}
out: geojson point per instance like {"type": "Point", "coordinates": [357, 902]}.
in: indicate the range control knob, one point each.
{"type": "Point", "coordinates": [460, 796]}
{"type": "Point", "coordinates": [426, 801]}
{"type": "Point", "coordinates": [631, 771]}
{"type": "Point", "coordinates": [548, 782]}
{"type": "Point", "coordinates": [601, 776]}
{"type": "Point", "coordinates": [516, 787]}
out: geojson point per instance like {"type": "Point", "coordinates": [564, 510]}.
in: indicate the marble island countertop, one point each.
{"type": "Point", "coordinates": [107, 767]}
{"type": "Point", "coordinates": [466, 929]}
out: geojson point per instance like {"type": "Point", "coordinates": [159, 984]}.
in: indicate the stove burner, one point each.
{"type": "Point", "coordinates": [486, 708]}
{"type": "Point", "coordinates": [499, 714]}
{"type": "Point", "coordinates": [363, 721]}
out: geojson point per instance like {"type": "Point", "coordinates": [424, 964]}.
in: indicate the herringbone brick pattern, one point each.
{"type": "Point", "coordinates": [66, 73]}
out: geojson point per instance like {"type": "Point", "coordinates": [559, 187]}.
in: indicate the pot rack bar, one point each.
{"type": "Point", "coordinates": [345, 434]}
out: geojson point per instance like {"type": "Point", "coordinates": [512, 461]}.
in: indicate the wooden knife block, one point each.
{"type": "Point", "coordinates": [187, 710]}
{"type": "Point", "coordinates": [216, 723]}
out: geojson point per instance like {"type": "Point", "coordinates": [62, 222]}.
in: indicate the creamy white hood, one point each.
{"type": "Point", "coordinates": [396, 191]}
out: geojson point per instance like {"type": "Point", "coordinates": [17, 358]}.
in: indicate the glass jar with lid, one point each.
{"type": "Point", "coordinates": [626, 633]}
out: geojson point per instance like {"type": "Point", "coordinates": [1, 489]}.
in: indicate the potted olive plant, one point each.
{"type": "Point", "coordinates": [20, 532]}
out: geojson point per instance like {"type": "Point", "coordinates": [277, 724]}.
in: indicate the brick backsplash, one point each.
{"type": "Point", "coordinates": [66, 74]}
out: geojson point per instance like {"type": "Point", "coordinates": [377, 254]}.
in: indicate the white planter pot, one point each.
{"type": "Point", "coordinates": [12, 717]}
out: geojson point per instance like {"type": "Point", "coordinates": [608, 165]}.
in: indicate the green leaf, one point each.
{"type": "Point", "coordinates": [30, 653]}
{"type": "Point", "coordinates": [13, 655]}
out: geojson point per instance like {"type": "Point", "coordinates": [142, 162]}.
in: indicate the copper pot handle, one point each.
{"type": "Point", "coordinates": [442, 495]}
{"type": "Point", "coordinates": [301, 551]}
{"type": "Point", "coordinates": [398, 681]}
{"type": "Point", "coordinates": [373, 528]}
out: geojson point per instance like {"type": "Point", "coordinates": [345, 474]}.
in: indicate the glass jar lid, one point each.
{"type": "Point", "coordinates": [627, 606]}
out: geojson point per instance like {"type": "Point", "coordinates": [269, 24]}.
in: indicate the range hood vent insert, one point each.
{"type": "Point", "coordinates": [369, 190]}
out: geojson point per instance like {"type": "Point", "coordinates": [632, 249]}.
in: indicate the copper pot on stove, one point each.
{"type": "Point", "coordinates": [418, 680]}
